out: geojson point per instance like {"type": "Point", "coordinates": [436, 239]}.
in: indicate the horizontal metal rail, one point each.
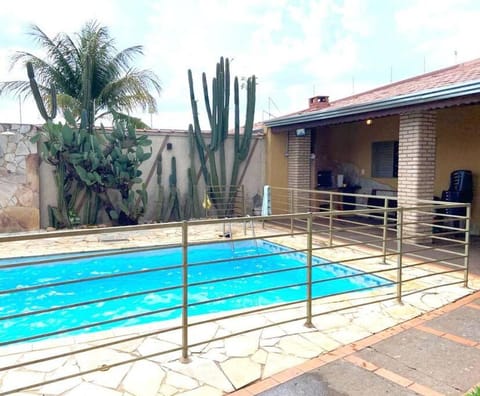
{"type": "Point", "coordinates": [383, 241]}
{"type": "Point", "coordinates": [88, 302]}
{"type": "Point", "coordinates": [90, 348]}
{"type": "Point", "coordinates": [87, 326]}
{"type": "Point", "coordinates": [90, 279]}
{"type": "Point", "coordinates": [76, 256]}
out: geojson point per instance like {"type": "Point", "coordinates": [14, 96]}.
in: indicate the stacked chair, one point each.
{"type": "Point", "coordinates": [460, 190]}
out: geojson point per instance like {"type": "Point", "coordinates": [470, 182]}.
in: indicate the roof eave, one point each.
{"type": "Point", "coordinates": [454, 94]}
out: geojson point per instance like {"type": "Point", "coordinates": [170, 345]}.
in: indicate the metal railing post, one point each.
{"type": "Point", "coordinates": [330, 221]}
{"type": "Point", "coordinates": [244, 206]}
{"type": "Point", "coordinates": [271, 189]}
{"type": "Point", "coordinates": [244, 210]}
{"type": "Point", "coordinates": [399, 253]}
{"type": "Point", "coordinates": [205, 204]}
{"type": "Point", "coordinates": [385, 226]}
{"type": "Point", "coordinates": [467, 245]}
{"type": "Point", "coordinates": [185, 358]}
{"type": "Point", "coordinates": [292, 194]}
{"type": "Point", "coordinates": [308, 322]}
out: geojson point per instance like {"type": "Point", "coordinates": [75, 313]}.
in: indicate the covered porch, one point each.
{"type": "Point", "coordinates": [406, 145]}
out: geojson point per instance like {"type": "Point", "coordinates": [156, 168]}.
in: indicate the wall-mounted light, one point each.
{"type": "Point", "coordinates": [369, 121]}
{"type": "Point", "coordinates": [7, 133]}
{"type": "Point", "coordinates": [300, 132]}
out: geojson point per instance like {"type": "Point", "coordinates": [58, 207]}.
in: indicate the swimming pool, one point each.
{"type": "Point", "coordinates": [154, 286]}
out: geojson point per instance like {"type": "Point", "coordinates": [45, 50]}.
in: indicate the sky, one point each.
{"type": "Point", "coordinates": [297, 49]}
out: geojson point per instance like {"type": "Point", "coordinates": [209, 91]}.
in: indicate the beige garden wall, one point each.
{"type": "Point", "coordinates": [174, 143]}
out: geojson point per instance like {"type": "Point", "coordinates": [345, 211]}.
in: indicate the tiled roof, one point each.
{"type": "Point", "coordinates": [468, 71]}
{"type": "Point", "coordinates": [455, 85]}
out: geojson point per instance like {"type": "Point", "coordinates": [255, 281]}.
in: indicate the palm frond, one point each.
{"type": "Point", "coordinates": [132, 90]}
{"type": "Point", "coordinates": [58, 50]}
{"type": "Point", "coordinates": [15, 88]}
{"type": "Point", "coordinates": [121, 61]}
{"type": "Point", "coordinates": [135, 121]}
{"type": "Point", "coordinates": [87, 68]}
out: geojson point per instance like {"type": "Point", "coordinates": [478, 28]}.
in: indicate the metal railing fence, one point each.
{"type": "Point", "coordinates": [224, 201]}
{"type": "Point", "coordinates": [412, 249]}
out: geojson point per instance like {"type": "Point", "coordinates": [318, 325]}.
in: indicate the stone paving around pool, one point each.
{"type": "Point", "coordinates": [217, 367]}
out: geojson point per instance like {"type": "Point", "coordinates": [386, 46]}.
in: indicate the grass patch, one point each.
{"type": "Point", "coordinates": [474, 392]}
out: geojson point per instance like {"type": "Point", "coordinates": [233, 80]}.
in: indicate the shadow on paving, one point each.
{"type": "Point", "coordinates": [440, 364]}
{"type": "Point", "coordinates": [338, 378]}
{"type": "Point", "coordinates": [463, 322]}
{"type": "Point", "coordinates": [429, 356]}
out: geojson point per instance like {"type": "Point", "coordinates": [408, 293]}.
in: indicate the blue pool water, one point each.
{"type": "Point", "coordinates": [158, 269]}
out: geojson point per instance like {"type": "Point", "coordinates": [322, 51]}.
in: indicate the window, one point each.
{"type": "Point", "coordinates": [385, 159]}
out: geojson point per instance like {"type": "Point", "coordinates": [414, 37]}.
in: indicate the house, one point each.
{"type": "Point", "coordinates": [407, 137]}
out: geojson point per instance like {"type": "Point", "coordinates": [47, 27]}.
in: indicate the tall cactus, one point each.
{"type": "Point", "coordinates": [222, 191]}
{"type": "Point", "coordinates": [160, 189]}
{"type": "Point", "coordinates": [242, 142]}
{"type": "Point", "coordinates": [88, 104]}
{"type": "Point", "coordinates": [38, 97]}
{"type": "Point", "coordinates": [192, 204]}
{"type": "Point", "coordinates": [197, 133]}
{"type": "Point", "coordinates": [173, 209]}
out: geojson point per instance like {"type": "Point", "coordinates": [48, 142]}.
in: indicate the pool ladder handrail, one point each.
{"type": "Point", "coordinates": [229, 234]}
{"type": "Point", "coordinates": [252, 225]}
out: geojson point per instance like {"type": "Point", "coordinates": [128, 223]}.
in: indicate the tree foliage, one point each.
{"type": "Point", "coordinates": [88, 73]}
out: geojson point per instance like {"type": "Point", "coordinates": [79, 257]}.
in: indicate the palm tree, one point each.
{"type": "Point", "coordinates": [88, 74]}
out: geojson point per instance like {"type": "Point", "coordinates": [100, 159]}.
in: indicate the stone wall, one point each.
{"type": "Point", "coordinates": [19, 181]}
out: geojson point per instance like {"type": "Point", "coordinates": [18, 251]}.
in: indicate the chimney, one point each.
{"type": "Point", "coordinates": [318, 102]}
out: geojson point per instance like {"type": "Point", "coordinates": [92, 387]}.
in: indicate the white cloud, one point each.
{"type": "Point", "coordinates": [272, 39]}
{"type": "Point", "coordinates": [356, 18]}
{"type": "Point", "coordinates": [322, 52]}
{"type": "Point", "coordinates": [55, 16]}
{"type": "Point", "coordinates": [52, 16]}
{"type": "Point", "coordinates": [206, 32]}
{"type": "Point", "coordinates": [441, 31]}
{"type": "Point", "coordinates": [296, 49]}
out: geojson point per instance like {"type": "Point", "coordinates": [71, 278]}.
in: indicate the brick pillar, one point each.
{"type": "Point", "coordinates": [416, 166]}
{"type": "Point", "coordinates": [299, 169]}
